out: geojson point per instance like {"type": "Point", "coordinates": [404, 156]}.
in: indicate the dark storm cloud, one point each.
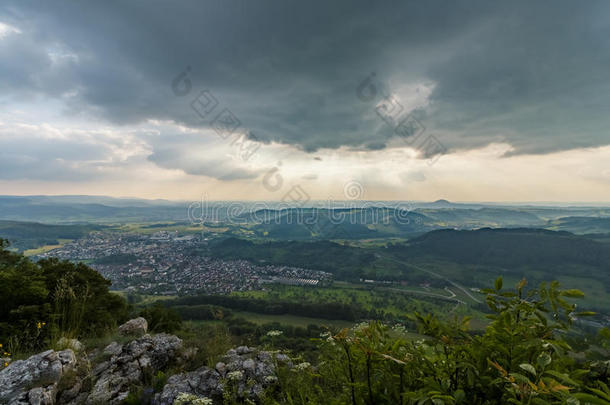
{"type": "Point", "coordinates": [531, 73]}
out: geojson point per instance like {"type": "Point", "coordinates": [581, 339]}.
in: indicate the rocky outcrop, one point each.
{"type": "Point", "coordinates": [35, 380]}
{"type": "Point", "coordinates": [129, 364]}
{"type": "Point", "coordinates": [244, 371]}
{"type": "Point", "coordinates": [63, 377]}
{"type": "Point", "coordinates": [134, 327]}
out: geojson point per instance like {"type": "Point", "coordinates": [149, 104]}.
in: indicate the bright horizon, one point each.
{"type": "Point", "coordinates": [550, 204]}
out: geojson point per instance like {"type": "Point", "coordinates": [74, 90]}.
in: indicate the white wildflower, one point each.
{"type": "Point", "coordinates": [270, 379]}
{"type": "Point", "coordinates": [185, 398]}
{"type": "Point", "coordinates": [399, 328]}
{"type": "Point", "coordinates": [273, 333]}
{"type": "Point", "coordinates": [303, 366]}
{"type": "Point", "coordinates": [235, 375]}
{"type": "Point", "coordinates": [361, 326]}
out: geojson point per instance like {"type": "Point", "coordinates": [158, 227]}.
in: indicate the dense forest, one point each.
{"type": "Point", "coordinates": [198, 307]}
{"type": "Point", "coordinates": [509, 248]}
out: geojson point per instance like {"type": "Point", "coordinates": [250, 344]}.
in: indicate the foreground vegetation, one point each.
{"type": "Point", "coordinates": [521, 358]}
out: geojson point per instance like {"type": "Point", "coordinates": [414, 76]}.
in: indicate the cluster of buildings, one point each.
{"type": "Point", "coordinates": [166, 263]}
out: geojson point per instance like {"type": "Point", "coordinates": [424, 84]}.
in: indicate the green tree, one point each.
{"type": "Point", "coordinates": [161, 319]}
{"type": "Point", "coordinates": [53, 298]}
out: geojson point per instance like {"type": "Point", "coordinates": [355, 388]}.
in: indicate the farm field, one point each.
{"type": "Point", "coordinates": [46, 248]}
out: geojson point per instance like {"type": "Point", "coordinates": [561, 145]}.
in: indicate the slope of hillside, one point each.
{"type": "Point", "coordinates": [511, 247]}
{"type": "Point", "coordinates": [29, 235]}
{"type": "Point", "coordinates": [581, 225]}
{"type": "Point", "coordinates": [343, 261]}
{"type": "Point", "coordinates": [473, 258]}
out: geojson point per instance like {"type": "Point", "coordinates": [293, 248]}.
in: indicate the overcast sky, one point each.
{"type": "Point", "coordinates": [462, 100]}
